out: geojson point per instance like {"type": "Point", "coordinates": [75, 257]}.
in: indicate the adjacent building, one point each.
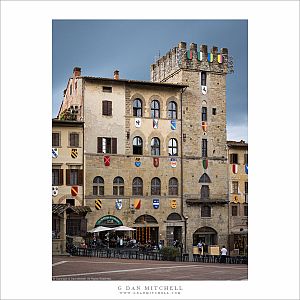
{"type": "Point", "coordinates": [238, 210]}
{"type": "Point", "coordinates": [155, 155]}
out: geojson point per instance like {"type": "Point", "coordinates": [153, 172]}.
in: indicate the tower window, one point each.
{"type": "Point", "coordinates": [203, 78]}
{"type": "Point", "coordinates": [204, 147]}
{"type": "Point", "coordinates": [214, 111]}
{"type": "Point", "coordinates": [204, 113]}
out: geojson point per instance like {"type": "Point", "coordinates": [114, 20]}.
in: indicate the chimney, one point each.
{"type": "Point", "coordinates": [116, 75]}
{"type": "Point", "coordinates": [76, 71]}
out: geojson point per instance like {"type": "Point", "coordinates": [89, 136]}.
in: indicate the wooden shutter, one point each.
{"type": "Point", "coordinates": [104, 108]}
{"type": "Point", "coordinates": [68, 174]}
{"type": "Point", "coordinates": [80, 177]}
{"type": "Point", "coordinates": [114, 146]}
{"type": "Point", "coordinates": [61, 177]}
{"type": "Point", "coordinates": [99, 147]}
{"type": "Point", "coordinates": [109, 108]}
{"type": "Point", "coordinates": [231, 158]}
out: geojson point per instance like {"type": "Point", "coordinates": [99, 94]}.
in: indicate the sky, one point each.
{"type": "Point", "coordinates": [101, 46]}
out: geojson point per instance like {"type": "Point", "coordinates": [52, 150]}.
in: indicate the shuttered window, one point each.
{"type": "Point", "coordinates": [57, 177]}
{"type": "Point", "coordinates": [55, 139]}
{"type": "Point", "coordinates": [205, 211]}
{"type": "Point", "coordinates": [106, 108]}
{"type": "Point", "coordinates": [234, 159]}
{"type": "Point", "coordinates": [74, 139]}
{"type": "Point", "coordinates": [107, 145]}
{"type": "Point", "coordinates": [74, 177]}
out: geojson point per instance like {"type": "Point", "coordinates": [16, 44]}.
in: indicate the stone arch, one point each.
{"type": "Point", "coordinates": [174, 217]}
{"type": "Point", "coordinates": [138, 96]}
{"type": "Point", "coordinates": [206, 234]}
{"type": "Point", "coordinates": [145, 219]}
{"type": "Point", "coordinates": [161, 105]}
{"type": "Point", "coordinates": [108, 221]}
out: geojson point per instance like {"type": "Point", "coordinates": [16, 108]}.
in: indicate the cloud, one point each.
{"type": "Point", "coordinates": [237, 132]}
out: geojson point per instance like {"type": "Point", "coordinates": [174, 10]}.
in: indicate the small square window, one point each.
{"type": "Point", "coordinates": [74, 139]}
{"type": "Point", "coordinates": [214, 111]}
{"type": "Point", "coordinates": [55, 139]}
{"type": "Point", "coordinates": [234, 211]}
{"type": "Point", "coordinates": [107, 89]}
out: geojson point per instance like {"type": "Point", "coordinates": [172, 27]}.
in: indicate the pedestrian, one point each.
{"type": "Point", "coordinates": [121, 242]}
{"type": "Point", "coordinates": [223, 255]}
{"type": "Point", "coordinates": [200, 247]}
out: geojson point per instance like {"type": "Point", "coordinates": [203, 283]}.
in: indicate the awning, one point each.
{"type": "Point", "coordinates": [100, 229]}
{"type": "Point", "coordinates": [123, 228]}
{"type": "Point", "coordinates": [58, 209]}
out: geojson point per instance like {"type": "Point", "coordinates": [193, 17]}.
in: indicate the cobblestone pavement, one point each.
{"type": "Point", "coordinates": [93, 268]}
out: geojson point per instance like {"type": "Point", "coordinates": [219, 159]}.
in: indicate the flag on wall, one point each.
{"type": "Point", "coordinates": [189, 54]}
{"type": "Point", "coordinates": [106, 161]}
{"type": "Point", "coordinates": [210, 57]}
{"type": "Point", "coordinates": [119, 204]}
{"type": "Point", "coordinates": [205, 163]}
{"type": "Point", "coordinates": [204, 126]}
{"type": "Point", "coordinates": [173, 124]}
{"type": "Point", "coordinates": [137, 162]}
{"type": "Point", "coordinates": [173, 203]}
{"type": "Point", "coordinates": [173, 162]}
{"type": "Point", "coordinates": [54, 191]}
{"type": "Point", "coordinates": [138, 122]}
{"type": "Point", "coordinates": [74, 190]}
{"type": "Point", "coordinates": [155, 203]}
{"type": "Point", "coordinates": [246, 168]}
{"type": "Point", "coordinates": [54, 152]}
{"type": "Point", "coordinates": [199, 55]}
{"type": "Point", "coordinates": [204, 89]}
{"type": "Point", "coordinates": [220, 58]}
{"type": "Point", "coordinates": [155, 162]}
{"type": "Point", "coordinates": [155, 123]}
{"type": "Point", "coordinates": [234, 168]}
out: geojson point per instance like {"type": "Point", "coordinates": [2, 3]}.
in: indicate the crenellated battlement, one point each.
{"type": "Point", "coordinates": [191, 58]}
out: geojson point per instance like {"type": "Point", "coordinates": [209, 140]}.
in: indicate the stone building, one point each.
{"type": "Point", "coordinates": [238, 182]}
{"type": "Point", "coordinates": [68, 210]}
{"type": "Point", "coordinates": [155, 151]}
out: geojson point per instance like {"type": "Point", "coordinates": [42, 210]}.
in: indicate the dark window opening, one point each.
{"type": "Point", "coordinates": [155, 111]}
{"type": "Point", "coordinates": [205, 211]}
{"type": "Point", "coordinates": [155, 186]}
{"type": "Point", "coordinates": [137, 108]}
{"type": "Point", "coordinates": [234, 211]}
{"type": "Point", "coordinates": [70, 201]}
{"type": "Point", "coordinates": [107, 145]}
{"type": "Point", "coordinates": [74, 140]}
{"type": "Point", "coordinates": [107, 89]}
{"type": "Point", "coordinates": [55, 139]}
{"type": "Point", "coordinates": [204, 192]}
{"type": "Point", "coordinates": [234, 158]}
{"type": "Point", "coordinates": [98, 186]}
{"type": "Point", "coordinates": [204, 113]}
{"type": "Point", "coordinates": [203, 78]}
{"type": "Point", "coordinates": [173, 186]}
{"type": "Point", "coordinates": [137, 186]}
{"type": "Point", "coordinates": [214, 111]}
{"type": "Point", "coordinates": [106, 108]}
{"type": "Point", "coordinates": [204, 147]}
{"type": "Point", "coordinates": [118, 186]}
{"type": "Point", "coordinates": [137, 146]}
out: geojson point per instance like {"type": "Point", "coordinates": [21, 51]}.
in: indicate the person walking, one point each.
{"type": "Point", "coordinates": [223, 255]}
{"type": "Point", "coordinates": [200, 247]}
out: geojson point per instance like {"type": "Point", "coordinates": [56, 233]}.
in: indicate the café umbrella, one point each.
{"type": "Point", "coordinates": [100, 229]}
{"type": "Point", "coordinates": [123, 228]}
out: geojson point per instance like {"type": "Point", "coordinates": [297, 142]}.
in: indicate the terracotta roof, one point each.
{"type": "Point", "coordinates": [237, 144]}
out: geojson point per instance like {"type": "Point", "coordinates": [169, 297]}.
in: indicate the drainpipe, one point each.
{"type": "Point", "coordinates": [181, 169]}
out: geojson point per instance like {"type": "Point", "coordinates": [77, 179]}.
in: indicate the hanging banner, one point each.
{"type": "Point", "coordinates": [209, 57]}
{"type": "Point", "coordinates": [155, 123]}
{"type": "Point", "coordinates": [205, 164]}
{"type": "Point", "coordinates": [246, 168]}
{"type": "Point", "coordinates": [220, 58]}
{"type": "Point", "coordinates": [119, 204]}
{"type": "Point", "coordinates": [204, 89]}
{"type": "Point", "coordinates": [106, 161]}
{"type": "Point", "coordinates": [74, 190]}
{"type": "Point", "coordinates": [204, 126]}
{"type": "Point", "coordinates": [137, 162]}
{"type": "Point", "coordinates": [199, 55]}
{"type": "Point", "coordinates": [54, 152]}
{"type": "Point", "coordinates": [155, 162]}
{"type": "Point", "coordinates": [138, 122]}
{"type": "Point", "coordinates": [137, 203]}
{"type": "Point", "coordinates": [155, 203]}
{"type": "Point", "coordinates": [173, 124]}
{"type": "Point", "coordinates": [234, 168]}
{"type": "Point", "coordinates": [74, 153]}
{"type": "Point", "coordinates": [173, 203]}
{"type": "Point", "coordinates": [54, 191]}
{"type": "Point", "coordinates": [189, 54]}
{"type": "Point", "coordinates": [173, 162]}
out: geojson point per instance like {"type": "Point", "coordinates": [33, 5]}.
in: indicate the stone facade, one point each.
{"type": "Point", "coordinates": [198, 88]}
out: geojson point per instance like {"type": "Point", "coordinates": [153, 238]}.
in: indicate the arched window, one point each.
{"type": "Point", "coordinates": [155, 111]}
{"type": "Point", "coordinates": [204, 178]}
{"type": "Point", "coordinates": [172, 110]}
{"type": "Point", "coordinates": [155, 146]}
{"type": "Point", "coordinates": [173, 186]}
{"type": "Point", "coordinates": [137, 146]}
{"type": "Point", "coordinates": [155, 186]}
{"type": "Point", "coordinates": [173, 149]}
{"type": "Point", "coordinates": [145, 219]}
{"type": "Point", "coordinates": [118, 186]}
{"type": "Point", "coordinates": [204, 192]}
{"type": "Point", "coordinates": [174, 217]}
{"type": "Point", "coordinates": [98, 186]}
{"type": "Point", "coordinates": [137, 108]}
{"type": "Point", "coordinates": [137, 186]}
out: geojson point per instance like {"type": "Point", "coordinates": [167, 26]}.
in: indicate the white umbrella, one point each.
{"type": "Point", "coordinates": [123, 228]}
{"type": "Point", "coordinates": [99, 229]}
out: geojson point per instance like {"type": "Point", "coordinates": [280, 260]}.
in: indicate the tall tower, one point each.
{"type": "Point", "coordinates": [203, 140]}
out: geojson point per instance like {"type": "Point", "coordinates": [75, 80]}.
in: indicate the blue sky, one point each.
{"type": "Point", "coordinates": [101, 46]}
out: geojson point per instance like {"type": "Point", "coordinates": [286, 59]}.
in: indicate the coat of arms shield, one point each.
{"type": "Point", "coordinates": [118, 204]}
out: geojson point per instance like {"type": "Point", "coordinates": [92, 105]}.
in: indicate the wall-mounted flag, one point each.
{"type": "Point", "coordinates": [74, 190]}
{"type": "Point", "coordinates": [137, 203]}
{"type": "Point", "coordinates": [220, 58]}
{"type": "Point", "coordinates": [119, 204]}
{"type": "Point", "coordinates": [106, 161]}
{"type": "Point", "coordinates": [204, 126]}
{"type": "Point", "coordinates": [199, 55]}
{"type": "Point", "coordinates": [205, 163]}
{"type": "Point", "coordinates": [173, 162]}
{"type": "Point", "coordinates": [189, 54]}
{"type": "Point", "coordinates": [137, 162]}
{"type": "Point", "coordinates": [235, 198]}
{"type": "Point", "coordinates": [173, 124]}
{"type": "Point", "coordinates": [234, 168]}
{"type": "Point", "coordinates": [54, 152]}
{"type": "Point", "coordinates": [155, 203]}
{"type": "Point", "coordinates": [173, 203]}
{"type": "Point", "coordinates": [98, 204]}
{"type": "Point", "coordinates": [138, 122]}
{"type": "Point", "coordinates": [155, 162]}
{"type": "Point", "coordinates": [74, 153]}
{"type": "Point", "coordinates": [246, 168]}
{"type": "Point", "coordinates": [155, 123]}
{"type": "Point", "coordinates": [210, 57]}
{"type": "Point", "coordinates": [54, 191]}
{"type": "Point", "coordinates": [204, 89]}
